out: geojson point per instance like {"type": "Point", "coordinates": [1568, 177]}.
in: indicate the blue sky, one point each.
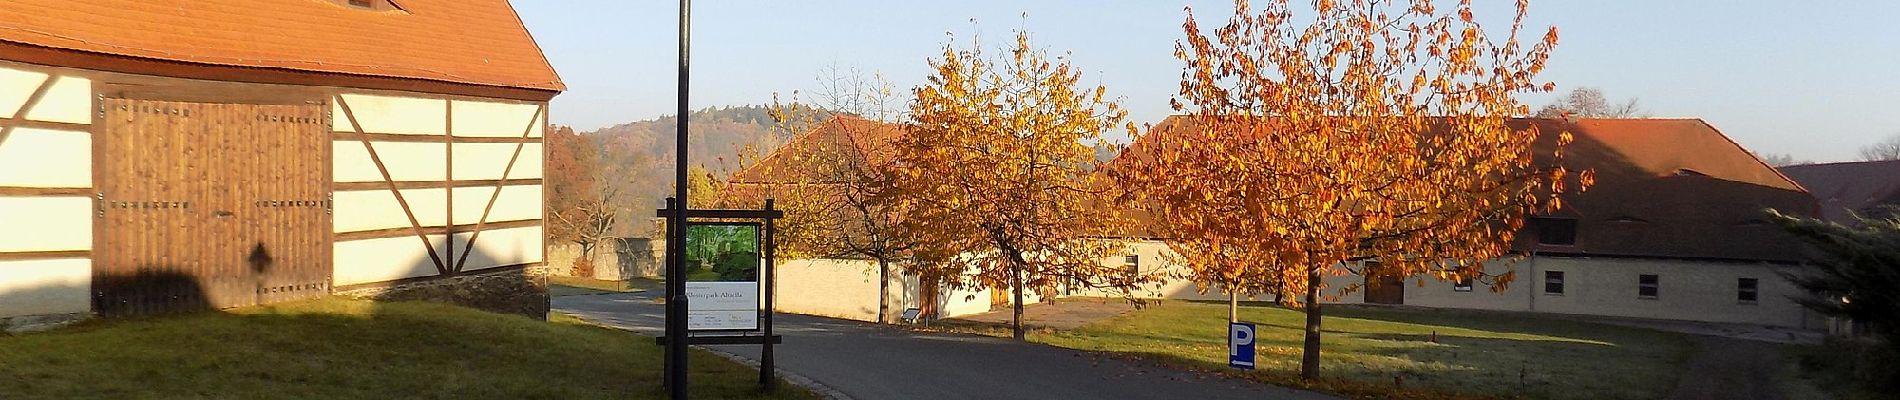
{"type": "Point", "coordinates": [1815, 80]}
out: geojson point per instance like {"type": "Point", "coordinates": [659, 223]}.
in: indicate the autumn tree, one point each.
{"type": "Point", "coordinates": [995, 171]}
{"type": "Point", "coordinates": [828, 179]}
{"type": "Point", "coordinates": [1887, 149]}
{"type": "Point", "coordinates": [1588, 102]}
{"type": "Point", "coordinates": [581, 207]}
{"type": "Point", "coordinates": [1781, 159]}
{"type": "Point", "coordinates": [1352, 130]}
{"type": "Point", "coordinates": [846, 90]}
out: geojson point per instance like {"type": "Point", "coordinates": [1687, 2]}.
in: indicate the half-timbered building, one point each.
{"type": "Point", "coordinates": [169, 155]}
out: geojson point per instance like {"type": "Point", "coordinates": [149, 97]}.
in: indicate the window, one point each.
{"type": "Point", "coordinates": [1553, 282]}
{"type": "Point", "coordinates": [1646, 286]}
{"type": "Point", "coordinates": [1461, 284]}
{"type": "Point", "coordinates": [1555, 231]}
{"type": "Point", "coordinates": [372, 5]}
{"type": "Point", "coordinates": [1747, 290]}
{"type": "Point", "coordinates": [1132, 264]}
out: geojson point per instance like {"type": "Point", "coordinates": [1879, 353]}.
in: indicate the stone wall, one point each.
{"type": "Point", "coordinates": [36, 323]}
{"type": "Point", "coordinates": [512, 290]}
{"type": "Point", "coordinates": [614, 260]}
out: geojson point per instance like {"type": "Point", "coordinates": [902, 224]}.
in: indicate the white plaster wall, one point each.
{"type": "Point", "coordinates": [16, 85]}
{"type": "Point", "coordinates": [516, 203]}
{"type": "Point", "coordinates": [406, 161]}
{"type": "Point", "coordinates": [494, 119]}
{"type": "Point", "coordinates": [363, 210]}
{"type": "Point", "coordinates": [833, 288]}
{"type": "Point", "coordinates": [384, 259]}
{"type": "Point", "coordinates": [391, 114]}
{"type": "Point", "coordinates": [501, 247]}
{"type": "Point", "coordinates": [1512, 297]}
{"type": "Point", "coordinates": [1687, 290]}
{"type": "Point", "coordinates": [46, 158]}
{"type": "Point", "coordinates": [53, 286]}
{"type": "Point", "coordinates": [481, 161]}
{"type": "Point", "coordinates": [963, 302]}
{"type": "Point", "coordinates": [67, 101]}
{"type": "Point", "coordinates": [45, 223]}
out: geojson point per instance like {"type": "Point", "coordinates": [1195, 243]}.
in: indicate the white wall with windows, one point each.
{"type": "Point", "coordinates": [1709, 291]}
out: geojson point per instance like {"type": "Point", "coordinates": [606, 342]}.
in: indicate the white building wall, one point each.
{"type": "Point", "coordinates": [56, 155]}
{"type": "Point", "coordinates": [384, 259]}
{"type": "Point", "coordinates": [414, 161]}
{"type": "Point", "coordinates": [827, 287]}
{"type": "Point", "coordinates": [1687, 290]}
{"type": "Point", "coordinates": [50, 286]}
{"type": "Point", "coordinates": [501, 247]}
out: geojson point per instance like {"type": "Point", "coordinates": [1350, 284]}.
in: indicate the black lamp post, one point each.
{"type": "Point", "coordinates": [676, 226]}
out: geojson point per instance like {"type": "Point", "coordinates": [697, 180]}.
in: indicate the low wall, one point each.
{"type": "Point", "coordinates": [849, 289]}
{"type": "Point", "coordinates": [614, 260]}
{"type": "Point", "coordinates": [833, 288]}
{"type": "Point", "coordinates": [510, 290]}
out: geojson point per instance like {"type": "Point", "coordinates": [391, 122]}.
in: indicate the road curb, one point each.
{"type": "Point", "coordinates": [790, 377]}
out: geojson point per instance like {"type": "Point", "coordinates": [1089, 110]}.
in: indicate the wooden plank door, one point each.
{"type": "Point", "coordinates": [1383, 285]}
{"type": "Point", "coordinates": [205, 205]}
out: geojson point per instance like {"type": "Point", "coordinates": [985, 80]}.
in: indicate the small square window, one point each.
{"type": "Point", "coordinates": [1555, 231]}
{"type": "Point", "coordinates": [1131, 264]}
{"type": "Point", "coordinates": [1553, 282]}
{"type": "Point", "coordinates": [1747, 290]}
{"type": "Point", "coordinates": [1646, 286]}
{"type": "Point", "coordinates": [1461, 284]}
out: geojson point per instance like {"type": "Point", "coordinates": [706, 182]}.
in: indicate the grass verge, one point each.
{"type": "Point", "coordinates": [347, 349]}
{"type": "Point", "coordinates": [570, 286]}
{"type": "Point", "coordinates": [1414, 354]}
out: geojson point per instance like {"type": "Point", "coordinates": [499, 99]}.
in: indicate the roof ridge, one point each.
{"type": "Point", "coordinates": [1752, 156]}
{"type": "Point", "coordinates": [1833, 163]}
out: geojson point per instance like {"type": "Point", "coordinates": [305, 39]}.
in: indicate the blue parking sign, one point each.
{"type": "Point", "coordinates": [1240, 345]}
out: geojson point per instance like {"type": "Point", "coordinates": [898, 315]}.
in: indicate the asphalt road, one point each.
{"type": "Point", "coordinates": [865, 361]}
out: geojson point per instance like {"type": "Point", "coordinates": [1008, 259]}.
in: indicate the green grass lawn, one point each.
{"type": "Point", "coordinates": [1477, 354]}
{"type": "Point", "coordinates": [346, 349]}
{"type": "Point", "coordinates": [569, 286]}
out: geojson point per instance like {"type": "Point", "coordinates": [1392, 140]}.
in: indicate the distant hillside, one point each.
{"type": "Point", "coordinates": [642, 151]}
{"type": "Point", "coordinates": [716, 138]}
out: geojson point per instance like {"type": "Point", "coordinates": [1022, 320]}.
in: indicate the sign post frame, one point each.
{"type": "Point", "coordinates": [768, 373]}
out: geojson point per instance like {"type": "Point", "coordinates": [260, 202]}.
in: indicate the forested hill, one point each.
{"type": "Point", "coordinates": [636, 158]}
{"type": "Point", "coordinates": [717, 136]}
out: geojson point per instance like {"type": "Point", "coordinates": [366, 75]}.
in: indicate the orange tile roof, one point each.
{"type": "Point", "coordinates": [479, 42]}
{"type": "Point", "coordinates": [1664, 188]}
{"type": "Point", "coordinates": [872, 142]}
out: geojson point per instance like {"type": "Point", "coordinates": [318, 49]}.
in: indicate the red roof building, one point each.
{"type": "Point", "coordinates": [1845, 189]}
{"type": "Point", "coordinates": [180, 155]}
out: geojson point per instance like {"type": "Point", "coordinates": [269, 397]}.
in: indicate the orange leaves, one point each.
{"type": "Point", "coordinates": [994, 160]}
{"type": "Point", "coordinates": [1319, 149]}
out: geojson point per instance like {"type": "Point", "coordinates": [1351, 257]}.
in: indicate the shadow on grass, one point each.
{"type": "Point", "coordinates": [346, 349]}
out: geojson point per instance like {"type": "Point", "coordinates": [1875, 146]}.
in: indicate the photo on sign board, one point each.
{"type": "Point", "coordinates": [722, 253]}
{"type": "Point", "coordinates": [722, 277]}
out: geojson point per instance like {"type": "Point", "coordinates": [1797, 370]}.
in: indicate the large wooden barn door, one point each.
{"type": "Point", "coordinates": [210, 205]}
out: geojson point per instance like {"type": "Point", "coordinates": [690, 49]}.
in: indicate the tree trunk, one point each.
{"type": "Point", "coordinates": [883, 291]}
{"type": "Point", "coordinates": [1016, 284]}
{"type": "Point", "coordinates": [1233, 305]}
{"type": "Point", "coordinates": [1309, 355]}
